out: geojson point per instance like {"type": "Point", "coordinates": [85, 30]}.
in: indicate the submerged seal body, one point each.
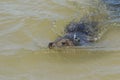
{"type": "Point", "coordinates": [77, 34]}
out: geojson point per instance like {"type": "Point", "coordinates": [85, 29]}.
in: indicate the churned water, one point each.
{"type": "Point", "coordinates": [27, 26]}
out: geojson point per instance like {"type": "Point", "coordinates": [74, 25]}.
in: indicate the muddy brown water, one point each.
{"type": "Point", "coordinates": [26, 28]}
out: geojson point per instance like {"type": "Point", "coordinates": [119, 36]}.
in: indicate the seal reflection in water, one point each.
{"type": "Point", "coordinates": [77, 34]}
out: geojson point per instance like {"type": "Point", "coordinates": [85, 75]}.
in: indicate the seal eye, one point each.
{"type": "Point", "coordinates": [75, 38]}
{"type": "Point", "coordinates": [63, 43]}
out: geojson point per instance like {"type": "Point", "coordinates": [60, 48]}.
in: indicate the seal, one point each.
{"type": "Point", "coordinates": [77, 34]}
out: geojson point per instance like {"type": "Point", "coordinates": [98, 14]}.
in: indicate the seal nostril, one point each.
{"type": "Point", "coordinates": [50, 45]}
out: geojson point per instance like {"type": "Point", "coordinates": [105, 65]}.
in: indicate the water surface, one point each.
{"type": "Point", "coordinates": [27, 26]}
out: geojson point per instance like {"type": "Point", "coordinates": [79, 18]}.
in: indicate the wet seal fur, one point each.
{"type": "Point", "coordinates": [77, 34]}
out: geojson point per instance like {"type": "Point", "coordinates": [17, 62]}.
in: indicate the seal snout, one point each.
{"type": "Point", "coordinates": [50, 45]}
{"type": "Point", "coordinates": [60, 43]}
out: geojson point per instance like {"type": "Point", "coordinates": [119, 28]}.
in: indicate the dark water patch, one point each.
{"type": "Point", "coordinates": [113, 7]}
